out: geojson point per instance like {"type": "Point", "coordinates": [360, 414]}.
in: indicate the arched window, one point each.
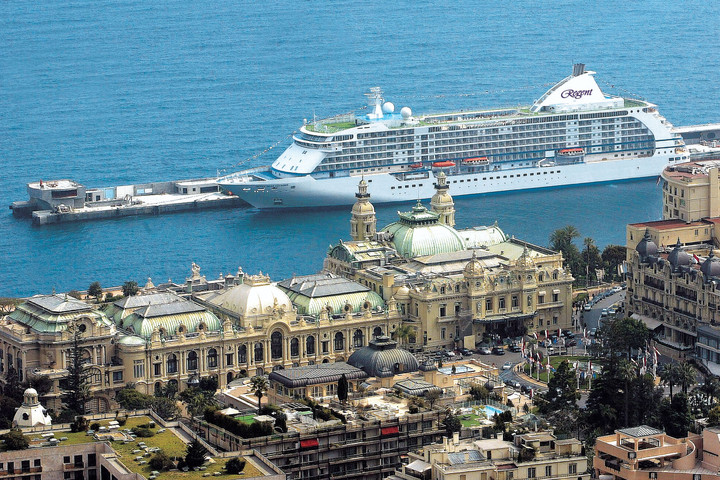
{"type": "Point", "coordinates": [230, 377]}
{"type": "Point", "coordinates": [358, 338]}
{"type": "Point", "coordinates": [259, 353]}
{"type": "Point", "coordinates": [173, 385]}
{"type": "Point", "coordinates": [212, 358]}
{"type": "Point", "coordinates": [276, 345]}
{"type": "Point", "coordinates": [310, 345]}
{"type": "Point", "coordinates": [158, 388]}
{"type": "Point", "coordinates": [172, 363]}
{"type": "Point", "coordinates": [242, 354]}
{"type": "Point", "coordinates": [377, 331]}
{"type": "Point", "coordinates": [339, 341]}
{"type": "Point", "coordinates": [294, 347]}
{"type": "Point", "coordinates": [192, 360]}
{"type": "Point", "coordinates": [259, 371]}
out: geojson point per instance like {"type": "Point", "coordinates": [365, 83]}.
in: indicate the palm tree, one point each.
{"type": "Point", "coordinates": [686, 376]}
{"type": "Point", "coordinates": [626, 373]}
{"type": "Point", "coordinates": [403, 332]}
{"type": "Point", "coordinates": [258, 386]}
{"type": "Point", "coordinates": [670, 376]}
{"type": "Point", "coordinates": [711, 389]}
{"type": "Point", "coordinates": [589, 243]}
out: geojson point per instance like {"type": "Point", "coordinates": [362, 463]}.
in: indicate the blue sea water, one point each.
{"type": "Point", "coordinates": [117, 92]}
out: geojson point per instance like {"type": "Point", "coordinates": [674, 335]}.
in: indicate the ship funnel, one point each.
{"type": "Point", "coordinates": [578, 69]}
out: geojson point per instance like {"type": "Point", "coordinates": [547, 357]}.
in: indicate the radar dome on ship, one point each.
{"type": "Point", "coordinates": [388, 107]}
{"type": "Point", "coordinates": [406, 112]}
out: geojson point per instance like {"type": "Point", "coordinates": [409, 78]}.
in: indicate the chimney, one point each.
{"type": "Point", "coordinates": [467, 456]}
{"type": "Point", "coordinates": [456, 438]}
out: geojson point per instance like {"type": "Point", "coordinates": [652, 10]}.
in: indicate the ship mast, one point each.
{"type": "Point", "coordinates": [375, 100]}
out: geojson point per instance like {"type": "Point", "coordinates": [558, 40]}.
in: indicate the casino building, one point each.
{"type": "Point", "coordinates": [453, 287]}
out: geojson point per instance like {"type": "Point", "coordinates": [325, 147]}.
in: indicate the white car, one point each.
{"type": "Point", "coordinates": [507, 365]}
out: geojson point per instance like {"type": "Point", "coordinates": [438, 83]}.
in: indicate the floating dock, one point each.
{"type": "Point", "coordinates": [59, 201]}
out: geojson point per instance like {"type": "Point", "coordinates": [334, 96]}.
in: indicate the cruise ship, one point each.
{"type": "Point", "coordinates": [573, 134]}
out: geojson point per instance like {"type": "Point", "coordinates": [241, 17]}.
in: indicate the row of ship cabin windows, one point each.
{"type": "Point", "coordinates": [476, 179]}
{"type": "Point", "coordinates": [276, 352]}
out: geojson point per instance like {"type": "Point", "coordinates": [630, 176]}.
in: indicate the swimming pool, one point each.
{"type": "Point", "coordinates": [458, 369]}
{"type": "Point", "coordinates": [491, 411]}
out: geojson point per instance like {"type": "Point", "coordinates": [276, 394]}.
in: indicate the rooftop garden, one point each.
{"type": "Point", "coordinates": [138, 461]}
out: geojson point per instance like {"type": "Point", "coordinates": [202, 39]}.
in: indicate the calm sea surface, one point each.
{"type": "Point", "coordinates": [129, 91]}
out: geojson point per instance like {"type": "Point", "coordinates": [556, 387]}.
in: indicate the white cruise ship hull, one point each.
{"type": "Point", "coordinates": [307, 191]}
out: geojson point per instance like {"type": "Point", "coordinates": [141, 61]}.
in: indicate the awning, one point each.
{"type": "Point", "coordinates": [310, 443]}
{"type": "Point", "coordinates": [389, 431]}
{"type": "Point", "coordinates": [419, 466]}
{"type": "Point", "coordinates": [649, 322]}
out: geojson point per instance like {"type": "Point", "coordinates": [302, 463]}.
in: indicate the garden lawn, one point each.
{"type": "Point", "coordinates": [167, 441]}
{"type": "Point", "coordinates": [470, 420]}
{"type": "Point", "coordinates": [249, 419]}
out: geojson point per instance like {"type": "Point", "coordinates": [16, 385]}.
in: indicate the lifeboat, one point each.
{"type": "Point", "coordinates": [476, 161]}
{"type": "Point", "coordinates": [416, 165]}
{"type": "Point", "coordinates": [443, 164]}
{"type": "Point", "coordinates": [571, 152]}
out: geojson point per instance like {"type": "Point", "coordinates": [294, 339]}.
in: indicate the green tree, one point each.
{"type": "Point", "coordinates": [714, 416]}
{"type": "Point", "coordinates": [432, 396]}
{"type": "Point", "coordinates": [452, 423]}
{"type": "Point", "coordinates": [686, 376]}
{"type": "Point", "coordinates": [258, 387]}
{"type": "Point", "coordinates": [165, 407]}
{"type": "Point", "coordinates": [403, 333]}
{"type": "Point", "coordinates": [161, 462]}
{"type": "Point", "coordinates": [562, 391]}
{"type": "Point", "coordinates": [710, 389]}
{"type": "Point", "coordinates": [624, 335]}
{"type": "Point", "coordinates": [676, 416]}
{"type": "Point", "coordinates": [670, 376]}
{"type": "Point", "coordinates": [342, 389]}
{"type": "Point", "coordinates": [13, 387]}
{"type": "Point", "coordinates": [197, 400]}
{"type": "Point", "coordinates": [7, 304]}
{"type": "Point", "coordinates": [75, 294]}
{"type": "Point", "coordinates": [590, 258]}
{"type": "Point", "coordinates": [15, 440]}
{"type": "Point", "coordinates": [131, 399]}
{"type": "Point", "coordinates": [95, 290]}
{"type": "Point", "coordinates": [561, 240]}
{"type": "Point", "coordinates": [234, 466]}
{"type": "Point", "coordinates": [195, 454]}
{"type": "Point", "coordinates": [479, 392]}
{"type": "Point", "coordinates": [76, 391]}
{"type": "Point", "coordinates": [130, 288]}
{"type": "Point", "coordinates": [627, 374]}
{"type": "Point", "coordinates": [41, 383]}
{"type": "Point", "coordinates": [612, 256]}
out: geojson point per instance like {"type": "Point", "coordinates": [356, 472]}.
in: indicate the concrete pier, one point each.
{"type": "Point", "coordinates": [58, 201]}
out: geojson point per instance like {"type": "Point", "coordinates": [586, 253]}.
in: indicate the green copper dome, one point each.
{"type": "Point", "coordinates": [418, 233]}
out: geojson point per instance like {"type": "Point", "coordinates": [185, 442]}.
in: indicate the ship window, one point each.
{"type": "Point", "coordinates": [484, 178]}
{"type": "Point", "coordinates": [392, 188]}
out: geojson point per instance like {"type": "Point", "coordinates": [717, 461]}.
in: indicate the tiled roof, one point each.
{"type": "Point", "coordinates": [641, 431]}
{"type": "Point", "coordinates": [322, 285]}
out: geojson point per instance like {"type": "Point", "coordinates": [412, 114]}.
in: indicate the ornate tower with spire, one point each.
{"type": "Point", "coordinates": [442, 203]}
{"type": "Point", "coordinates": [363, 223]}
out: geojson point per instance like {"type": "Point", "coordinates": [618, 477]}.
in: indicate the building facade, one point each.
{"type": "Point", "coordinates": [691, 191]}
{"type": "Point", "coordinates": [527, 457]}
{"type": "Point", "coordinates": [644, 452]}
{"type": "Point", "coordinates": [456, 287]}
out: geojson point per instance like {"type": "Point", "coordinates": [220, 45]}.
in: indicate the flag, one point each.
{"type": "Point", "coordinates": [559, 332]}
{"type": "Point", "coordinates": [584, 332]}
{"type": "Point", "coordinates": [658, 181]}
{"type": "Point", "coordinates": [546, 333]}
{"type": "Point", "coordinates": [697, 260]}
{"type": "Point", "coordinates": [535, 335]}
{"type": "Point", "coordinates": [655, 355]}
{"type": "Point", "coordinates": [644, 361]}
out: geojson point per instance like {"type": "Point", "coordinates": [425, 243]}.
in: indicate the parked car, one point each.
{"type": "Point", "coordinates": [568, 334]}
{"type": "Point", "coordinates": [604, 312]}
{"type": "Point", "coordinates": [593, 331]}
{"type": "Point", "coordinates": [571, 343]}
{"type": "Point", "coordinates": [465, 352]}
{"type": "Point", "coordinates": [484, 351]}
{"type": "Point", "coordinates": [587, 307]}
{"type": "Point", "coordinates": [515, 348]}
{"type": "Point", "coordinates": [513, 383]}
{"type": "Point", "coordinates": [507, 366]}
{"type": "Point", "coordinates": [498, 350]}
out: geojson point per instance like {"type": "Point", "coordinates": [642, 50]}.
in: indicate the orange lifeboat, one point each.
{"type": "Point", "coordinates": [444, 164]}
{"type": "Point", "coordinates": [416, 165]}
